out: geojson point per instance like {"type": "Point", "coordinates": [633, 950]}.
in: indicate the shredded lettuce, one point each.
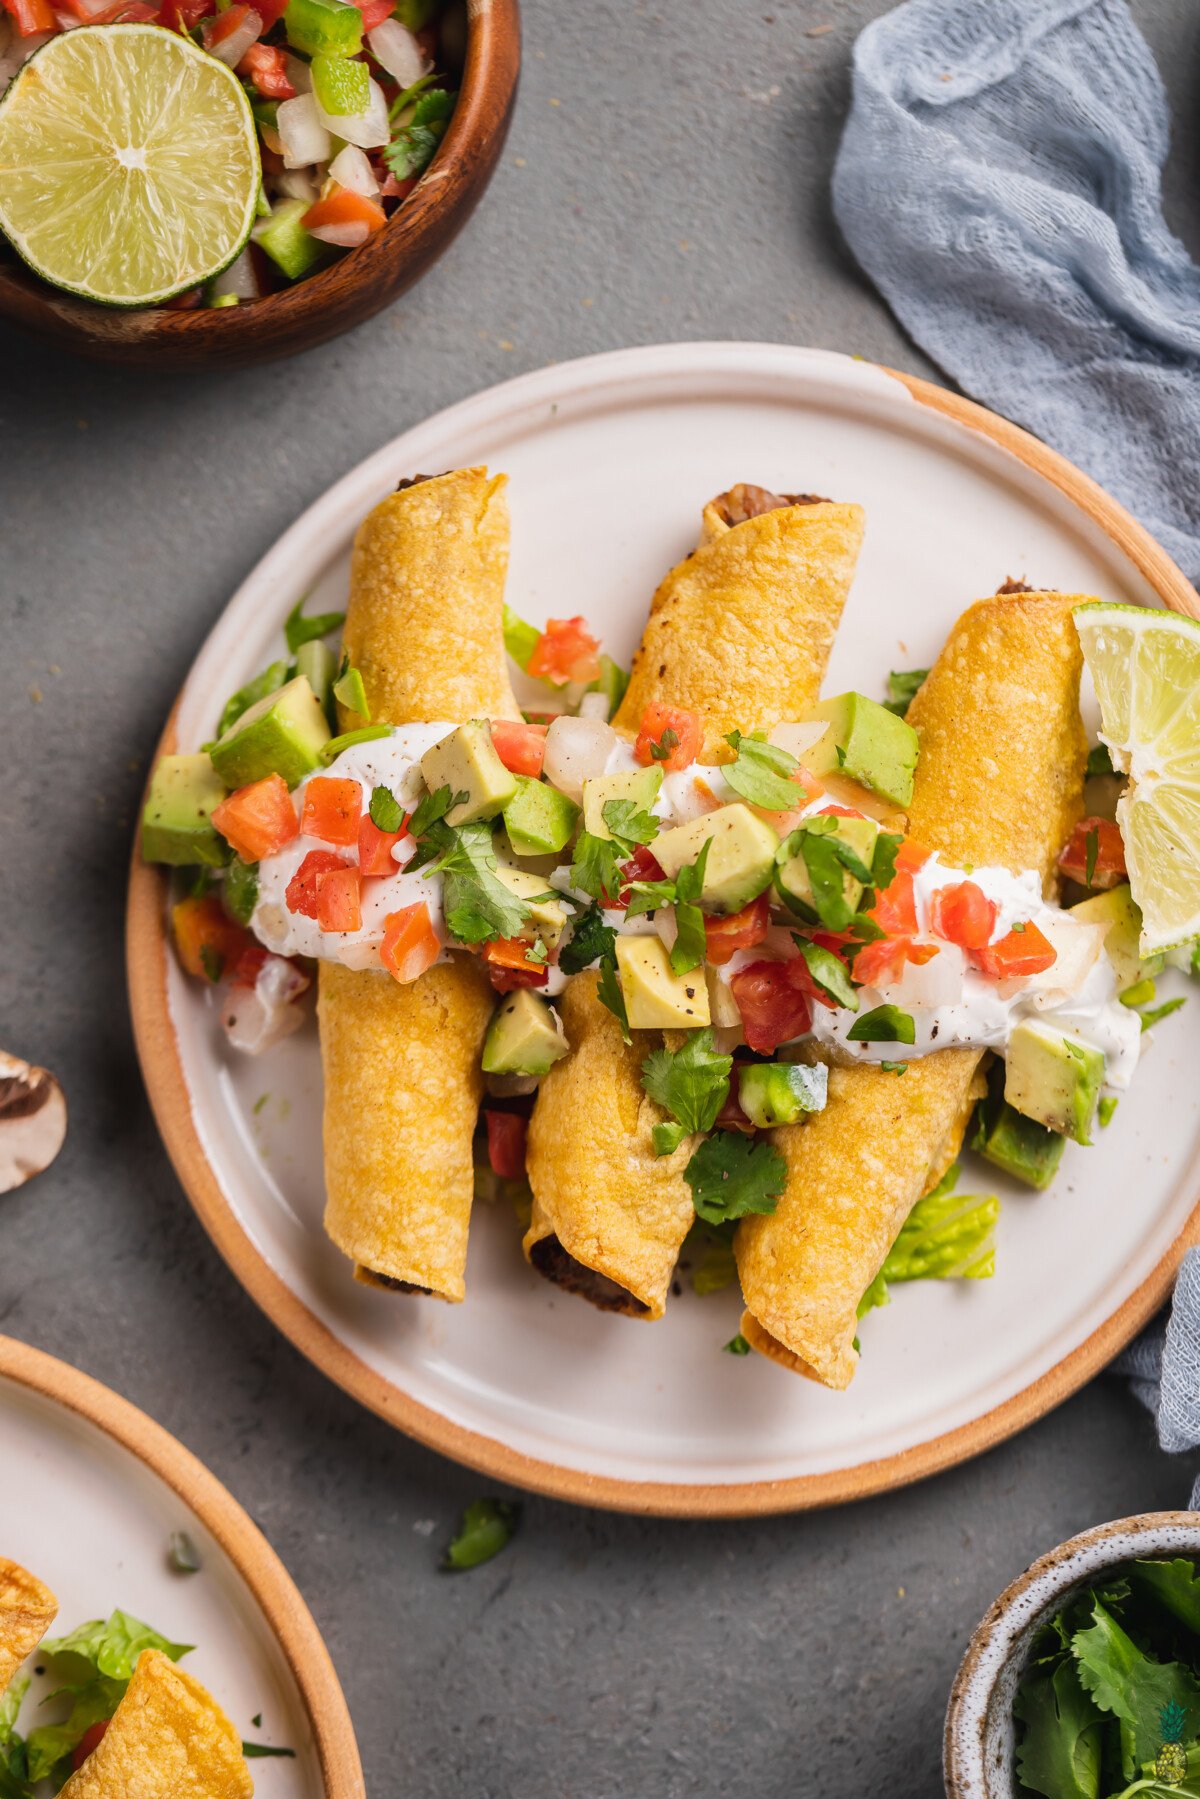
{"type": "Point", "coordinates": [948, 1236]}
{"type": "Point", "coordinates": [92, 1666]}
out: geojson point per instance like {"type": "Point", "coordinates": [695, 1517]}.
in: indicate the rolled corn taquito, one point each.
{"type": "Point", "coordinates": [999, 783]}
{"type": "Point", "coordinates": [167, 1739]}
{"type": "Point", "coordinates": [424, 627]}
{"type": "Point", "coordinates": [740, 631]}
{"type": "Point", "coordinates": [27, 1610]}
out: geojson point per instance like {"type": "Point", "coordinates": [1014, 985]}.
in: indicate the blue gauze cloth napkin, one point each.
{"type": "Point", "coordinates": [999, 180]}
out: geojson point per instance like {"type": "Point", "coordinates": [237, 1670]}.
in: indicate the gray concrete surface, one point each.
{"type": "Point", "coordinates": [666, 177]}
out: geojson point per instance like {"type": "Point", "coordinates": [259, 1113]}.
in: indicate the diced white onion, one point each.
{"type": "Point", "coordinates": [297, 184]}
{"type": "Point", "coordinates": [938, 982]}
{"type": "Point", "coordinates": [239, 279]}
{"type": "Point", "coordinates": [351, 168]}
{"type": "Point", "coordinates": [302, 133]}
{"type": "Point", "coordinates": [299, 74]}
{"type": "Point", "coordinates": [368, 129]}
{"type": "Point", "coordinates": [1077, 947]}
{"type": "Point", "coordinates": [271, 139]}
{"type": "Point", "coordinates": [594, 705]}
{"type": "Point", "coordinates": [231, 49]}
{"type": "Point", "coordinates": [796, 739]}
{"type": "Point", "coordinates": [396, 49]}
{"type": "Point", "coordinates": [256, 1018]}
{"type": "Point", "coordinates": [346, 237]}
{"type": "Point", "coordinates": [577, 750]}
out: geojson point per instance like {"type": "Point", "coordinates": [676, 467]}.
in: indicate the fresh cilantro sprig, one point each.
{"type": "Point", "coordinates": [762, 773]}
{"type": "Point", "coordinates": [477, 906]}
{"type": "Point", "coordinates": [691, 1082]}
{"type": "Point", "coordinates": [414, 145]}
{"type": "Point", "coordinates": [628, 823]}
{"type": "Point", "coordinates": [608, 992]}
{"type": "Point", "coordinates": [595, 866]}
{"type": "Point", "coordinates": [430, 809]}
{"type": "Point", "coordinates": [885, 1024]}
{"type": "Point", "coordinates": [661, 747]}
{"type": "Point", "coordinates": [386, 812]}
{"type": "Point", "coordinates": [691, 944]}
{"type": "Point", "coordinates": [732, 1175]}
{"type": "Point", "coordinates": [902, 685]}
{"type": "Point", "coordinates": [591, 941]}
{"type": "Point", "coordinates": [829, 973]}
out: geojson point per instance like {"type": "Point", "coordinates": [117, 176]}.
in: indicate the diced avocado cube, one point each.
{"type": "Point", "coordinates": [1019, 1145]}
{"type": "Point", "coordinates": [323, 27]}
{"type": "Point", "coordinates": [466, 762]}
{"type": "Point", "coordinates": [1054, 1078]}
{"type": "Point", "coordinates": [283, 238]}
{"type": "Point", "coordinates": [318, 664]}
{"type": "Point", "coordinates": [779, 1092]}
{"type": "Point", "coordinates": [548, 917]}
{"type": "Point", "coordinates": [639, 785]}
{"type": "Point", "coordinates": [539, 819]}
{"type": "Point", "coordinates": [792, 881]}
{"type": "Point", "coordinates": [741, 856]}
{"type": "Point", "coordinates": [657, 999]}
{"type": "Point", "coordinates": [177, 818]}
{"type": "Point", "coordinates": [1119, 911]}
{"type": "Point", "coordinates": [281, 734]}
{"type": "Point", "coordinates": [524, 1036]}
{"type": "Point", "coordinates": [868, 744]}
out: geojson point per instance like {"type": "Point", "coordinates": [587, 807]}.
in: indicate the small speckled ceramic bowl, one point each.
{"type": "Point", "coordinates": [978, 1753]}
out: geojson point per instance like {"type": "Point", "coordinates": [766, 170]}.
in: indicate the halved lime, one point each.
{"type": "Point", "coordinates": [129, 166]}
{"type": "Point", "coordinates": [1146, 666]}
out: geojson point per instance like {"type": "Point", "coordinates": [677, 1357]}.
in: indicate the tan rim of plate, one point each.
{"type": "Point", "coordinates": [158, 1050]}
{"type": "Point", "coordinates": [268, 1580]}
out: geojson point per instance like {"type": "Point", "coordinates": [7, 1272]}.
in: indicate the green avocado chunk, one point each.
{"type": "Point", "coordinates": [792, 881]}
{"type": "Point", "coordinates": [282, 734]}
{"type": "Point", "coordinates": [868, 744]}
{"type": "Point", "coordinates": [1054, 1078]}
{"type": "Point", "coordinates": [656, 998]}
{"type": "Point", "coordinates": [523, 1037]}
{"type": "Point", "coordinates": [466, 762]}
{"type": "Point", "coordinates": [539, 819]}
{"type": "Point", "coordinates": [285, 240]}
{"type": "Point", "coordinates": [548, 917]}
{"type": "Point", "coordinates": [773, 1093]}
{"type": "Point", "coordinates": [1018, 1145]}
{"type": "Point", "coordinates": [177, 823]}
{"type": "Point", "coordinates": [640, 785]}
{"type": "Point", "coordinates": [741, 855]}
{"type": "Point", "coordinates": [1118, 909]}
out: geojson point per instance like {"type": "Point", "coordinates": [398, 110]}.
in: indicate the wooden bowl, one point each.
{"type": "Point", "coordinates": [345, 293]}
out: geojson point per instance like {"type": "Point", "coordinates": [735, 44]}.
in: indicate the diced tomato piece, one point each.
{"type": "Point", "coordinates": [223, 26]}
{"type": "Point", "coordinates": [681, 747]}
{"type": "Point", "coordinates": [270, 12]}
{"type": "Point", "coordinates": [895, 908]}
{"type": "Point", "coordinates": [427, 38]}
{"type": "Point", "coordinates": [1022, 952]}
{"type": "Point", "coordinates": [641, 866]}
{"type": "Point", "coordinates": [506, 1143]}
{"type": "Point", "coordinates": [391, 189]}
{"type": "Point", "coordinates": [520, 747]}
{"type": "Point", "coordinates": [565, 651]}
{"type": "Point", "coordinates": [509, 964]}
{"type": "Point", "coordinates": [1100, 839]}
{"type": "Point", "coordinates": [91, 1739]}
{"type": "Point", "coordinates": [724, 937]}
{"type": "Point", "coordinates": [339, 899]}
{"type": "Point", "coordinates": [833, 811]}
{"type": "Point", "coordinates": [248, 966]}
{"type": "Point", "coordinates": [266, 66]}
{"type": "Point", "coordinates": [410, 944]}
{"type": "Point", "coordinates": [911, 855]}
{"type": "Point", "coordinates": [301, 893]}
{"type": "Point", "coordinates": [259, 819]}
{"type": "Point", "coordinates": [332, 809]}
{"type": "Point", "coordinates": [184, 15]}
{"type": "Point", "coordinates": [878, 964]}
{"type": "Point", "coordinates": [731, 1117]}
{"type": "Point", "coordinates": [374, 12]}
{"type": "Point", "coordinates": [773, 1009]}
{"type": "Point", "coordinates": [963, 914]}
{"type": "Point", "coordinates": [375, 847]}
{"type": "Point", "coordinates": [207, 939]}
{"type": "Point", "coordinates": [342, 206]}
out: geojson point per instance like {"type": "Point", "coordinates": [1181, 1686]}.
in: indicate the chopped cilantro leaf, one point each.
{"type": "Point", "coordinates": [736, 1345]}
{"type": "Point", "coordinates": [690, 944]}
{"type": "Point", "coordinates": [691, 1082]}
{"type": "Point", "coordinates": [667, 1138]}
{"type": "Point", "coordinates": [591, 940]}
{"type": "Point", "coordinates": [387, 814]}
{"type": "Point", "coordinates": [662, 748]}
{"type": "Point", "coordinates": [298, 630]}
{"type": "Point", "coordinates": [241, 889]}
{"type": "Point", "coordinates": [431, 808]}
{"type": "Point", "coordinates": [268, 682]}
{"type": "Point", "coordinates": [212, 962]}
{"type": "Point", "coordinates": [486, 1526]}
{"type": "Point", "coordinates": [886, 1024]}
{"type": "Point", "coordinates": [609, 994]}
{"type": "Point", "coordinates": [902, 685]}
{"type": "Point", "coordinates": [257, 1751]}
{"type": "Point", "coordinates": [1152, 1016]}
{"type": "Point", "coordinates": [731, 1175]}
{"type": "Point", "coordinates": [595, 867]}
{"type": "Point", "coordinates": [883, 859]}
{"type": "Point", "coordinates": [829, 973]}
{"type": "Point", "coordinates": [894, 1067]}
{"type": "Point", "coordinates": [627, 823]}
{"type": "Point", "coordinates": [1099, 761]}
{"type": "Point", "coordinates": [477, 906]}
{"type": "Point", "coordinates": [762, 773]}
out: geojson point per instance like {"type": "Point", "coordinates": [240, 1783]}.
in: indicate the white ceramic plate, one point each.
{"type": "Point", "coordinates": [92, 1491]}
{"type": "Point", "coordinates": [610, 460]}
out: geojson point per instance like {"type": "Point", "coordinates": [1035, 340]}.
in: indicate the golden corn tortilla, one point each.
{"type": "Point", "coordinates": [168, 1739]}
{"type": "Point", "coordinates": [425, 627]}
{"type": "Point", "coordinates": [27, 1610]}
{"type": "Point", "coordinates": [999, 782]}
{"type": "Point", "coordinates": [742, 632]}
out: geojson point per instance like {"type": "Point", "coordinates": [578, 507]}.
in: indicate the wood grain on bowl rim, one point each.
{"type": "Point", "coordinates": [268, 1580]}
{"type": "Point", "coordinates": [147, 952]}
{"type": "Point", "coordinates": [350, 289]}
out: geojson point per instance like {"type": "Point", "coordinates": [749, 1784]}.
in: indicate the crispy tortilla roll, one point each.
{"type": "Point", "coordinates": [999, 782]}
{"type": "Point", "coordinates": [740, 631]}
{"type": "Point", "coordinates": [402, 1076]}
{"type": "Point", "coordinates": [27, 1610]}
{"type": "Point", "coordinates": [168, 1739]}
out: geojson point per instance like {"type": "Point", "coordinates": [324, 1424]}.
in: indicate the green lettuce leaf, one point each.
{"type": "Point", "coordinates": [947, 1236]}
{"type": "Point", "coordinates": [299, 630]}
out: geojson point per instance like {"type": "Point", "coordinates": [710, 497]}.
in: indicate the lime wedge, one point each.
{"type": "Point", "coordinates": [1146, 666]}
{"type": "Point", "coordinates": [129, 164]}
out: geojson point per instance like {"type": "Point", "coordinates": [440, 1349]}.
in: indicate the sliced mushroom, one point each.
{"type": "Point", "coordinates": [33, 1121]}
